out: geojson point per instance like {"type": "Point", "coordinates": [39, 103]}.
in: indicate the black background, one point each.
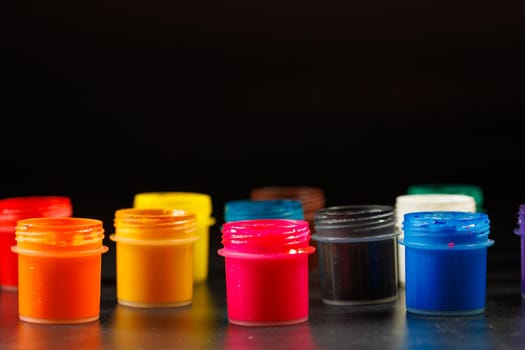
{"type": "Point", "coordinates": [104, 99]}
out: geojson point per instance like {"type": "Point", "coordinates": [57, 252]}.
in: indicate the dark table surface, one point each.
{"type": "Point", "coordinates": [204, 324]}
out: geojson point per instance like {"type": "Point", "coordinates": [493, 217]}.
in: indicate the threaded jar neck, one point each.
{"type": "Point", "coordinates": [154, 224]}
{"type": "Point", "coordinates": [265, 236]}
{"type": "Point", "coordinates": [355, 223]}
{"type": "Point", "coordinates": [446, 230]}
{"type": "Point", "coordinates": [59, 231]}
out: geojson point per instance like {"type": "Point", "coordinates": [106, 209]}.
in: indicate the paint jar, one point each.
{"type": "Point", "coordinates": [312, 199]}
{"type": "Point", "coordinates": [266, 264]}
{"type": "Point", "coordinates": [198, 203]}
{"type": "Point", "coordinates": [520, 231]}
{"type": "Point", "coordinates": [409, 203]}
{"type": "Point", "coordinates": [59, 269]}
{"type": "Point", "coordinates": [446, 262]}
{"type": "Point", "coordinates": [154, 257]}
{"type": "Point", "coordinates": [450, 188]}
{"type": "Point", "coordinates": [18, 208]}
{"type": "Point", "coordinates": [357, 254]}
{"type": "Point", "coordinates": [246, 209]}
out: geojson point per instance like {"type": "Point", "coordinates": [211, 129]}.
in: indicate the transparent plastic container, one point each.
{"type": "Point", "coordinates": [357, 246]}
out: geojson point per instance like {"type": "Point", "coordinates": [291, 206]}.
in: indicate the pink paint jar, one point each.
{"type": "Point", "coordinates": [266, 264]}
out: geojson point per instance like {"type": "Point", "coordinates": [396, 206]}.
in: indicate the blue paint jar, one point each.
{"type": "Point", "coordinates": [446, 262]}
{"type": "Point", "coordinates": [247, 209]}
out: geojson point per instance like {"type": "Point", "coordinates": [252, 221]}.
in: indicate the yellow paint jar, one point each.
{"type": "Point", "coordinates": [154, 257]}
{"type": "Point", "coordinates": [198, 203]}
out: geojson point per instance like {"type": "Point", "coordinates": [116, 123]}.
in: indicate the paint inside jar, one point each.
{"type": "Point", "coordinates": [154, 257]}
{"type": "Point", "coordinates": [357, 254]}
{"type": "Point", "coordinates": [266, 264]}
{"type": "Point", "coordinates": [446, 262]}
{"type": "Point", "coordinates": [59, 262]}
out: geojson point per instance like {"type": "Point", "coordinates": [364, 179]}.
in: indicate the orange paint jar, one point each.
{"type": "Point", "coordinates": [59, 269]}
{"type": "Point", "coordinates": [18, 208]}
{"type": "Point", "coordinates": [154, 257]}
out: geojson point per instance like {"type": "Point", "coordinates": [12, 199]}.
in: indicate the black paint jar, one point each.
{"type": "Point", "coordinates": [357, 247]}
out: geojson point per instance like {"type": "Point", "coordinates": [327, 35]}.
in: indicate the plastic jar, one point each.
{"type": "Point", "coordinates": [198, 203]}
{"type": "Point", "coordinates": [446, 262]}
{"type": "Point", "coordinates": [357, 247]}
{"type": "Point", "coordinates": [450, 188]}
{"type": "Point", "coordinates": [18, 208]}
{"type": "Point", "coordinates": [409, 203]}
{"type": "Point", "coordinates": [266, 264]}
{"type": "Point", "coordinates": [154, 257]}
{"type": "Point", "coordinates": [59, 262]}
{"type": "Point", "coordinates": [312, 199]}
{"type": "Point", "coordinates": [520, 231]}
{"type": "Point", "coordinates": [246, 209]}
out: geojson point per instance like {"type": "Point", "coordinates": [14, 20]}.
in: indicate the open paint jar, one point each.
{"type": "Point", "coordinates": [154, 257]}
{"type": "Point", "coordinates": [357, 254]}
{"type": "Point", "coordinates": [59, 269]}
{"type": "Point", "coordinates": [446, 262]}
{"type": "Point", "coordinates": [266, 263]}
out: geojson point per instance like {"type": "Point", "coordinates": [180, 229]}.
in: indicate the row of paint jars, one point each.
{"type": "Point", "coordinates": [354, 225]}
{"type": "Point", "coordinates": [357, 248]}
{"type": "Point", "coordinates": [57, 272]}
